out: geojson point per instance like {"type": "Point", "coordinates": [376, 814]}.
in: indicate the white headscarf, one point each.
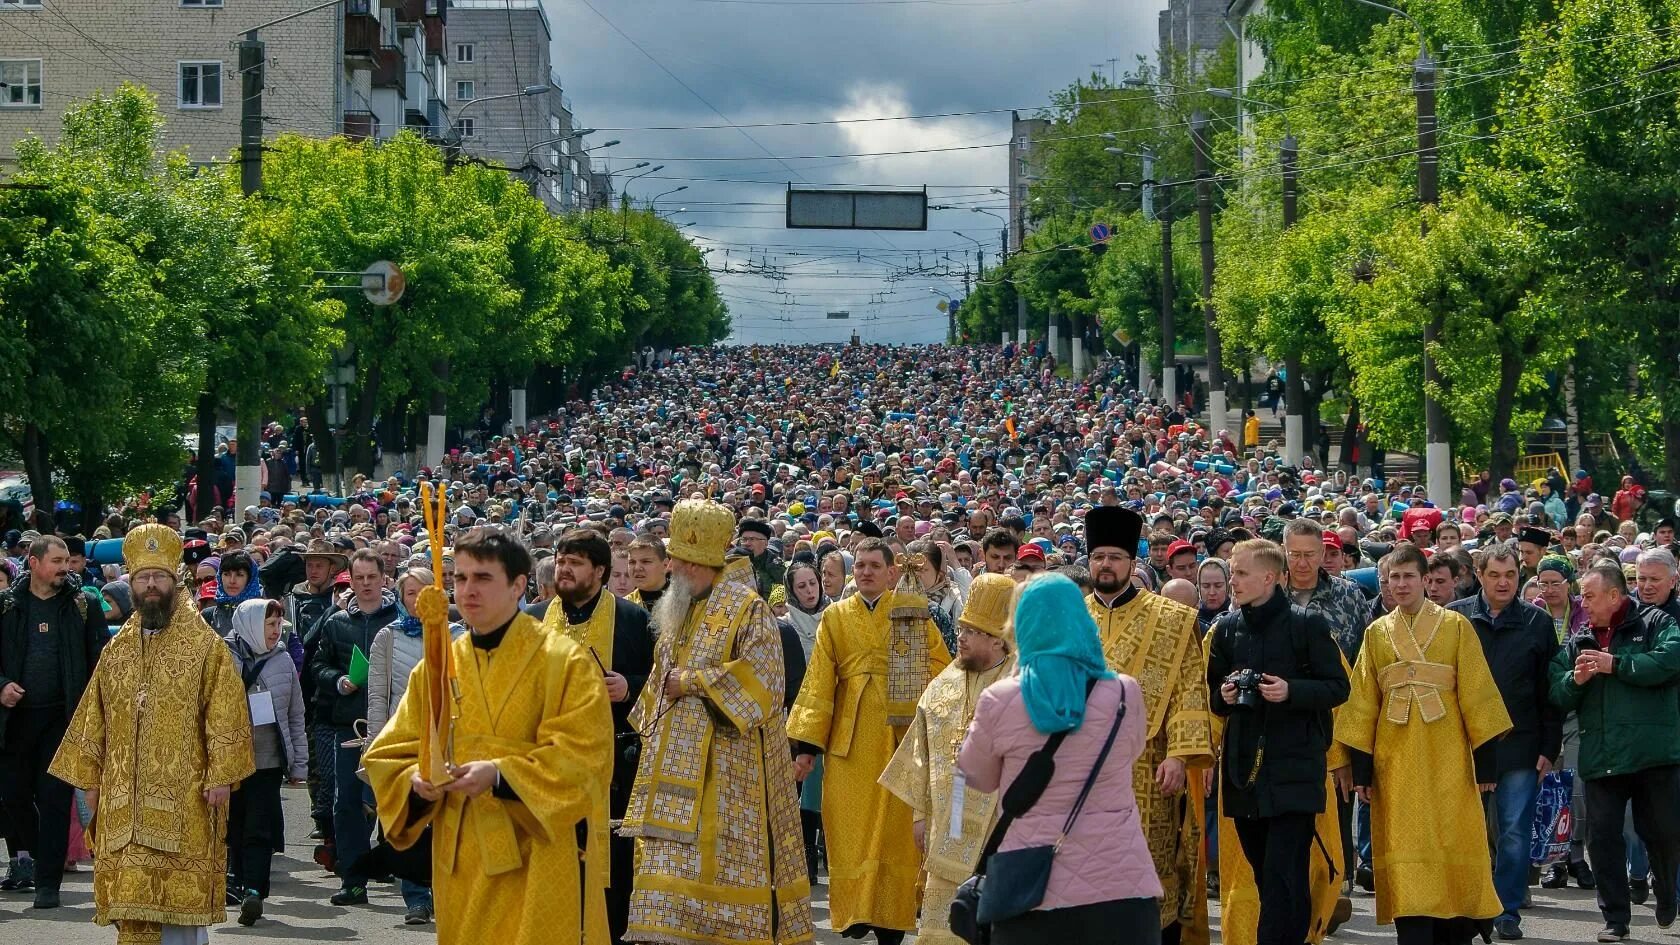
{"type": "Point", "coordinates": [248, 622]}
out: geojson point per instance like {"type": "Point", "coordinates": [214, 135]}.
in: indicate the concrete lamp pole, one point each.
{"type": "Point", "coordinates": [1437, 461]}
{"type": "Point", "coordinates": [437, 414]}
{"type": "Point", "coordinates": [1003, 251]}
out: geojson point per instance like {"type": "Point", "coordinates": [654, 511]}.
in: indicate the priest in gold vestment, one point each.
{"type": "Point", "coordinates": [923, 772]}
{"type": "Point", "coordinates": [1423, 700]}
{"type": "Point", "coordinates": [876, 651]}
{"type": "Point", "coordinates": [1155, 641]}
{"type": "Point", "coordinates": [159, 739]}
{"type": "Point", "coordinates": [714, 808]}
{"type": "Point", "coordinates": [518, 833]}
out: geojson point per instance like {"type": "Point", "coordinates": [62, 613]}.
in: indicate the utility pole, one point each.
{"type": "Point", "coordinates": [1295, 387]}
{"type": "Point", "coordinates": [1204, 224]}
{"type": "Point", "coordinates": [247, 483]}
{"type": "Point", "coordinates": [1169, 360]}
{"type": "Point", "coordinates": [1437, 451]}
{"type": "Point", "coordinates": [1437, 455]}
{"type": "Point", "coordinates": [252, 62]}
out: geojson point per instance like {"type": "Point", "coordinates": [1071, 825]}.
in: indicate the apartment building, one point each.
{"type": "Point", "coordinates": [1193, 29]}
{"type": "Point", "coordinates": [367, 68]}
{"type": "Point", "coordinates": [498, 49]}
{"type": "Point", "coordinates": [1022, 168]}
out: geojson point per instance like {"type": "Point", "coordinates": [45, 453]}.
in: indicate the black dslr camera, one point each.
{"type": "Point", "coordinates": [1247, 682]}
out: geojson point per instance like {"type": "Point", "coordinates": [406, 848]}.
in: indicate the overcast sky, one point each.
{"type": "Point", "coordinates": [747, 62]}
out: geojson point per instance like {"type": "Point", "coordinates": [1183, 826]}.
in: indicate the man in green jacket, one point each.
{"type": "Point", "coordinates": [1623, 677]}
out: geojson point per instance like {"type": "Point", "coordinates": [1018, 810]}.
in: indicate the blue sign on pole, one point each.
{"type": "Point", "coordinates": [1100, 232]}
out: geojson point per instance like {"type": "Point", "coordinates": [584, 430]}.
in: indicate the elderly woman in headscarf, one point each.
{"type": "Point", "coordinates": [806, 602]}
{"type": "Point", "coordinates": [275, 700]}
{"type": "Point", "coordinates": [834, 566]}
{"type": "Point", "coordinates": [932, 578]}
{"type": "Point", "coordinates": [1102, 885]}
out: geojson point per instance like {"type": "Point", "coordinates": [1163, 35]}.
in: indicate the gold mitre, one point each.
{"type": "Point", "coordinates": [152, 546]}
{"type": "Point", "coordinates": [701, 531]}
{"type": "Point", "coordinates": [991, 600]}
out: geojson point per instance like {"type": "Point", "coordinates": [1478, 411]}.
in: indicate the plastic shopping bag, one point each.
{"type": "Point", "coordinates": [1554, 819]}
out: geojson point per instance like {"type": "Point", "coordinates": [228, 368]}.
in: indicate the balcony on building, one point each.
{"type": "Point", "coordinates": [361, 126]}
{"type": "Point", "coordinates": [361, 32]}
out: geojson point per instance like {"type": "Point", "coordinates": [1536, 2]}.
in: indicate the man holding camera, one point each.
{"type": "Point", "coordinates": [1274, 673]}
{"type": "Point", "coordinates": [1623, 678]}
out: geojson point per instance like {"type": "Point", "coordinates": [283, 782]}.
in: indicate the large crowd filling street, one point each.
{"type": "Point", "coordinates": [958, 643]}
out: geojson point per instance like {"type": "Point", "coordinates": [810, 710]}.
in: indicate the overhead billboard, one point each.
{"type": "Point", "coordinates": [826, 209]}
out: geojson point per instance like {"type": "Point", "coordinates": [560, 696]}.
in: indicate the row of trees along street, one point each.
{"type": "Point", "coordinates": [144, 295]}
{"type": "Point", "coordinates": [1551, 264]}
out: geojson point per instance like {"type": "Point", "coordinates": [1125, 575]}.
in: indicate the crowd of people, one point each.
{"type": "Point", "coordinates": [761, 618]}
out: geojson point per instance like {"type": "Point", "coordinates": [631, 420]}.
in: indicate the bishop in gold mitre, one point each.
{"type": "Point", "coordinates": [160, 739]}
{"type": "Point", "coordinates": [1156, 641]}
{"type": "Point", "coordinates": [952, 821]}
{"type": "Point", "coordinates": [721, 857]}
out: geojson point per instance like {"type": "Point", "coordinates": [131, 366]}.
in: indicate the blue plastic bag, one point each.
{"type": "Point", "coordinates": [1554, 820]}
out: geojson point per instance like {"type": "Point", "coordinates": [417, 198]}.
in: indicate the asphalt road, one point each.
{"type": "Point", "coordinates": [298, 911]}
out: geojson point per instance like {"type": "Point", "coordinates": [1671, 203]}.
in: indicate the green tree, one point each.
{"type": "Point", "coordinates": [1590, 152]}
{"type": "Point", "coordinates": [153, 204]}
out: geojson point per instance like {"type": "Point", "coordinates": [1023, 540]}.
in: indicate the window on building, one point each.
{"type": "Point", "coordinates": [201, 85]}
{"type": "Point", "coordinates": [464, 92]}
{"type": "Point", "coordinates": [467, 127]}
{"type": "Point", "coordinates": [464, 52]}
{"type": "Point", "coordinates": [554, 125]}
{"type": "Point", "coordinates": [20, 83]}
{"type": "Point", "coordinates": [201, 3]}
{"type": "Point", "coordinates": [20, 3]}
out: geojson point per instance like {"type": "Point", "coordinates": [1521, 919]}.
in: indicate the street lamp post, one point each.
{"type": "Point", "coordinates": [452, 145]}
{"type": "Point", "coordinates": [1200, 144]}
{"type": "Point", "coordinates": [653, 205]}
{"type": "Point", "coordinates": [526, 164]}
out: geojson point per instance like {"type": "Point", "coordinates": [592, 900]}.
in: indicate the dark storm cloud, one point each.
{"type": "Point", "coordinates": [806, 62]}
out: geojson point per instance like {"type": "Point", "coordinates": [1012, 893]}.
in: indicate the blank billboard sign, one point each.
{"type": "Point", "coordinates": [818, 209]}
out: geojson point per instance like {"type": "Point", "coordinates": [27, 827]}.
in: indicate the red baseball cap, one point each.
{"type": "Point", "coordinates": [1332, 540]}
{"type": "Point", "coordinates": [207, 590]}
{"type": "Point", "coordinates": [1030, 552]}
{"type": "Point", "coordinates": [1179, 547]}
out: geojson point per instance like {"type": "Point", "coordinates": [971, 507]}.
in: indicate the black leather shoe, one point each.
{"type": "Point", "coordinates": [1366, 878]}
{"type": "Point", "coordinates": [1584, 876]}
{"type": "Point", "coordinates": [46, 898]}
{"type": "Point", "coordinates": [1639, 890]}
{"type": "Point", "coordinates": [1557, 877]}
{"type": "Point", "coordinates": [250, 908]}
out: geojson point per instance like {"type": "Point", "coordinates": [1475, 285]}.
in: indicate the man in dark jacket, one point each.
{"type": "Point", "coordinates": [50, 638]}
{"type": "Point", "coordinates": [754, 542]}
{"type": "Point", "coordinates": [1623, 677]}
{"type": "Point", "coordinates": [343, 633]}
{"type": "Point", "coordinates": [1277, 732]}
{"type": "Point", "coordinates": [1657, 578]}
{"type": "Point", "coordinates": [1519, 642]}
{"type": "Point", "coordinates": [310, 576]}
{"type": "Point", "coordinates": [601, 621]}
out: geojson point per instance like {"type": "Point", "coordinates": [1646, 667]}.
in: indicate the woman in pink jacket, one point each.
{"type": "Point", "coordinates": [1103, 887]}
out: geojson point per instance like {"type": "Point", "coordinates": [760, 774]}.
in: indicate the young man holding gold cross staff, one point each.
{"type": "Point", "coordinates": [503, 745]}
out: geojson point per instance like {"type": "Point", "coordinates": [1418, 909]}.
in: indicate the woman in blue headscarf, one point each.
{"type": "Point", "coordinates": [1103, 886]}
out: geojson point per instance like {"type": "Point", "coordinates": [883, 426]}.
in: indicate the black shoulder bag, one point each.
{"type": "Point", "coordinates": [1019, 878]}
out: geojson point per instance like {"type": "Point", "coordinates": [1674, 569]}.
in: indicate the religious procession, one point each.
{"type": "Point", "coordinates": [871, 661]}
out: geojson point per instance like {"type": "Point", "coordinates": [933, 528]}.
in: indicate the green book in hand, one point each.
{"type": "Point", "coordinates": [358, 667]}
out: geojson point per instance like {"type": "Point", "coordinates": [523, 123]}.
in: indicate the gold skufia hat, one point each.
{"type": "Point", "coordinates": [991, 599]}
{"type": "Point", "coordinates": [152, 546]}
{"type": "Point", "coordinates": [701, 531]}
